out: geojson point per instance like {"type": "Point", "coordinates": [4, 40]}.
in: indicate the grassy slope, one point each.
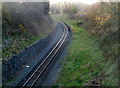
{"type": "Point", "coordinates": [85, 62]}
{"type": "Point", "coordinates": [16, 43]}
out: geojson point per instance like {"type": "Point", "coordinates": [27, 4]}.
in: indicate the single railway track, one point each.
{"type": "Point", "coordinates": [42, 66]}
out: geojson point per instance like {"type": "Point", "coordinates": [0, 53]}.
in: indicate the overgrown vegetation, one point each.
{"type": "Point", "coordinates": [102, 22]}
{"type": "Point", "coordinates": [33, 16]}
{"type": "Point", "coordinates": [22, 25]}
{"type": "Point", "coordinates": [85, 64]}
{"type": "Point", "coordinates": [14, 44]}
{"type": "Point", "coordinates": [93, 54]}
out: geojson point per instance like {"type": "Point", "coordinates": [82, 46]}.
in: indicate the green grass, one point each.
{"type": "Point", "coordinates": [16, 43]}
{"type": "Point", "coordinates": [85, 61]}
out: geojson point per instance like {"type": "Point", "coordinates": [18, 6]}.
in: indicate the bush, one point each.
{"type": "Point", "coordinates": [33, 17]}
{"type": "Point", "coordinates": [102, 22]}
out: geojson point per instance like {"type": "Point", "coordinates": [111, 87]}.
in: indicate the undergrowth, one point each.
{"type": "Point", "coordinates": [14, 44]}
{"type": "Point", "coordinates": [85, 64]}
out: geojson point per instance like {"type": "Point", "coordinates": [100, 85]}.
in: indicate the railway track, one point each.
{"type": "Point", "coordinates": [37, 72]}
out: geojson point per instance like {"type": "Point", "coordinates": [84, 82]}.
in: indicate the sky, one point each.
{"type": "Point", "coordinates": [54, 1]}
{"type": "Point", "coordinates": [83, 1]}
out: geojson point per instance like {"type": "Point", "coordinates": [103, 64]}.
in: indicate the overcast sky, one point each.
{"type": "Point", "coordinates": [54, 1]}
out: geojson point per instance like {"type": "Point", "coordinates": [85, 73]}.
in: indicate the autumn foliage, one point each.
{"type": "Point", "coordinates": [102, 22]}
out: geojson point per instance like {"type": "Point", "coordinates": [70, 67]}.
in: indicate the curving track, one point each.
{"type": "Point", "coordinates": [37, 72]}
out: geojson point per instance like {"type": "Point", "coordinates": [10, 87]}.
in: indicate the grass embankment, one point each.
{"type": "Point", "coordinates": [17, 42]}
{"type": "Point", "coordinates": [85, 63]}
{"type": "Point", "coordinates": [14, 44]}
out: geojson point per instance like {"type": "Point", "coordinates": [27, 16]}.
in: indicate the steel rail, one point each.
{"type": "Point", "coordinates": [61, 41]}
